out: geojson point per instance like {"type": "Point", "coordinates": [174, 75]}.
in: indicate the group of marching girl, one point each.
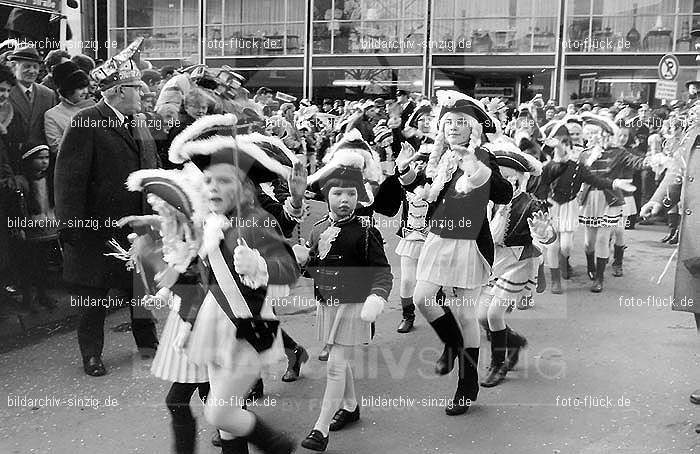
{"type": "Point", "coordinates": [472, 241]}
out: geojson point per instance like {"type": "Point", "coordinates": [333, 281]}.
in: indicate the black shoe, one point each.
{"type": "Point", "coordinates": [343, 417]}
{"type": "Point", "coordinates": [405, 326]}
{"type": "Point", "coordinates": [323, 355]}
{"type": "Point", "coordinates": [695, 397]}
{"type": "Point", "coordinates": [256, 392]}
{"type": "Point", "coordinates": [669, 235]}
{"type": "Point", "coordinates": [674, 238]}
{"type": "Point", "coordinates": [497, 373]}
{"type": "Point", "coordinates": [93, 366]}
{"type": "Point", "coordinates": [216, 439]}
{"type": "Point", "coordinates": [294, 367]}
{"type": "Point", "coordinates": [315, 441]}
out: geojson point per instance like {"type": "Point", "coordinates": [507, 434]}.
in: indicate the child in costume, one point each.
{"type": "Point", "coordinates": [458, 250]}
{"type": "Point", "coordinates": [602, 210]}
{"type": "Point", "coordinates": [414, 213]}
{"type": "Point", "coordinates": [352, 280]}
{"type": "Point", "coordinates": [514, 226]}
{"type": "Point", "coordinates": [233, 332]}
{"type": "Point", "coordinates": [169, 252]}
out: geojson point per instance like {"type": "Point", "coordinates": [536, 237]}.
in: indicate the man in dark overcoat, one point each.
{"type": "Point", "coordinates": [101, 147]}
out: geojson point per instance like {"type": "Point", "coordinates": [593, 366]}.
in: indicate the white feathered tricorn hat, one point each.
{"type": "Point", "coordinates": [350, 150]}
{"type": "Point", "coordinates": [508, 154]}
{"type": "Point", "coordinates": [211, 140]}
{"type": "Point", "coordinates": [182, 189]}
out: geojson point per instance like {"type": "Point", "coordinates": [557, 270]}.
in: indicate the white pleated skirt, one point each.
{"type": "Point", "coordinates": [409, 248]}
{"type": "Point", "coordinates": [341, 324]}
{"type": "Point", "coordinates": [213, 341]}
{"type": "Point", "coordinates": [565, 215]}
{"type": "Point", "coordinates": [513, 277]}
{"type": "Point", "coordinates": [171, 365]}
{"type": "Point", "coordinates": [451, 262]}
{"type": "Point", "coordinates": [597, 213]}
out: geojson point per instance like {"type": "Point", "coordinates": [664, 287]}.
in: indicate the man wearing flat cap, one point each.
{"type": "Point", "coordinates": [29, 100]}
{"type": "Point", "coordinates": [101, 147]}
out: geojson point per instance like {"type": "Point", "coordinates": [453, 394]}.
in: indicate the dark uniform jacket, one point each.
{"type": "Point", "coordinates": [355, 265]}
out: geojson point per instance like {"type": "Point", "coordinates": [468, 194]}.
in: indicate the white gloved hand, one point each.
{"type": "Point", "coordinates": [624, 184]}
{"type": "Point", "coordinates": [245, 260]}
{"type": "Point", "coordinates": [301, 253]}
{"type": "Point", "coordinates": [182, 336]}
{"type": "Point", "coordinates": [372, 307]}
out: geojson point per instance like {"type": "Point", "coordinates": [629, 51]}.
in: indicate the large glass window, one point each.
{"type": "Point", "coordinates": [495, 26]}
{"type": "Point", "coordinates": [170, 28]}
{"type": "Point", "coordinates": [369, 26]}
{"type": "Point", "coordinates": [359, 83]}
{"type": "Point", "coordinates": [631, 25]}
{"type": "Point", "coordinates": [255, 27]}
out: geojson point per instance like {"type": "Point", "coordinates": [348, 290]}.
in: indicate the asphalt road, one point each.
{"type": "Point", "coordinates": [604, 373]}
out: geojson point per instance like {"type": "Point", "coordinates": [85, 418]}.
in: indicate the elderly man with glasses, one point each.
{"type": "Point", "coordinates": [101, 147]}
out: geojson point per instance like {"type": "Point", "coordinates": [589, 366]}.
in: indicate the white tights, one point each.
{"type": "Point", "coordinates": [228, 391]}
{"type": "Point", "coordinates": [597, 239]}
{"type": "Point", "coordinates": [408, 277]}
{"type": "Point", "coordinates": [340, 386]}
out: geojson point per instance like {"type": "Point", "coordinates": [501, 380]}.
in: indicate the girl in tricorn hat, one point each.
{"type": "Point", "coordinates": [458, 250]}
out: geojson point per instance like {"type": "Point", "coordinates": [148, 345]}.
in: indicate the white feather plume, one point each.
{"type": "Point", "coordinates": [195, 130]}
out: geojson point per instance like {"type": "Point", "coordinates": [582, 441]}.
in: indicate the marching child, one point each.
{"type": "Point", "coordinates": [514, 226]}
{"type": "Point", "coordinates": [352, 280]}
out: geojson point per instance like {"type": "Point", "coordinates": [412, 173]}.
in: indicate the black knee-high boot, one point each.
{"type": "Point", "coordinates": [467, 383]}
{"type": "Point", "coordinates": [599, 275]}
{"type": "Point", "coordinates": [618, 257]}
{"type": "Point", "coordinates": [449, 332]}
{"type": "Point", "coordinates": [408, 310]}
{"type": "Point", "coordinates": [590, 264]}
{"type": "Point", "coordinates": [514, 342]}
{"type": "Point", "coordinates": [234, 446]}
{"type": "Point", "coordinates": [498, 368]}
{"type": "Point", "coordinates": [183, 423]}
{"type": "Point", "coordinates": [269, 440]}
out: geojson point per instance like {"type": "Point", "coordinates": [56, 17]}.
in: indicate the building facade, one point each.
{"type": "Point", "coordinates": [569, 50]}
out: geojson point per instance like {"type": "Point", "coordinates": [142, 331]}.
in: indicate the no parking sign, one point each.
{"type": "Point", "coordinates": [668, 67]}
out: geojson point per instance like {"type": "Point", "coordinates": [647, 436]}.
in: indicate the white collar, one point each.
{"type": "Point", "coordinates": [25, 87]}
{"type": "Point", "coordinates": [119, 115]}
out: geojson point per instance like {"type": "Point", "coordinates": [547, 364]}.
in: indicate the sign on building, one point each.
{"type": "Point", "coordinates": [666, 89]}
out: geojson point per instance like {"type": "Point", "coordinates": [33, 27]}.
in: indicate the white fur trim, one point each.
{"type": "Point", "coordinates": [212, 145]}
{"type": "Point", "coordinates": [190, 181]}
{"type": "Point", "coordinates": [254, 138]}
{"type": "Point", "coordinates": [372, 307]}
{"type": "Point", "coordinates": [196, 129]}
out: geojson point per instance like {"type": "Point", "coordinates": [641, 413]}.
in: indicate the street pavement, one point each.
{"type": "Point", "coordinates": [603, 373]}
